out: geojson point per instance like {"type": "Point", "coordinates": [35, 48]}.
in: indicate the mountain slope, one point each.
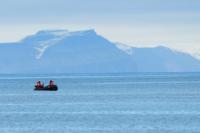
{"type": "Point", "coordinates": [61, 51]}
{"type": "Point", "coordinates": [162, 59]}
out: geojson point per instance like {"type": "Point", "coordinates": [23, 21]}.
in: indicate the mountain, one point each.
{"type": "Point", "coordinates": [62, 51]}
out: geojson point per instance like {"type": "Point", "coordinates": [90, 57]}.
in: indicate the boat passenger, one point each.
{"type": "Point", "coordinates": [39, 84]}
{"type": "Point", "coordinates": [51, 83]}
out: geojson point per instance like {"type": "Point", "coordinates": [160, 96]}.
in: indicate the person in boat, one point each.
{"type": "Point", "coordinates": [51, 83]}
{"type": "Point", "coordinates": [39, 84]}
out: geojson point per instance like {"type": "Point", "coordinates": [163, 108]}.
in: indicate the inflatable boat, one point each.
{"type": "Point", "coordinates": [47, 88]}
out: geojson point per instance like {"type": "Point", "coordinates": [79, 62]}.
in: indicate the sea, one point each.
{"type": "Point", "coordinates": [101, 103]}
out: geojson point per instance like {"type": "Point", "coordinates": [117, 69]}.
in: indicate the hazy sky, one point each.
{"type": "Point", "coordinates": [172, 23]}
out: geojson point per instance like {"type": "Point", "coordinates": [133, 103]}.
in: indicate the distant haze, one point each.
{"type": "Point", "coordinates": [174, 24]}
{"type": "Point", "coordinates": [61, 51]}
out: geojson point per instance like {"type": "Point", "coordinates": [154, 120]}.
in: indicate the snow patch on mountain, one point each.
{"type": "Point", "coordinates": [43, 45]}
{"type": "Point", "coordinates": [58, 35]}
{"type": "Point", "coordinates": [57, 32]}
{"type": "Point", "coordinates": [127, 49]}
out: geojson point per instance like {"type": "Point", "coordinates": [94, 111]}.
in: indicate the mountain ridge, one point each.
{"type": "Point", "coordinates": [63, 51]}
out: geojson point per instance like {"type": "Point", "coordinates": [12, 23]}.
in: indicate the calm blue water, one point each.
{"type": "Point", "coordinates": [101, 103]}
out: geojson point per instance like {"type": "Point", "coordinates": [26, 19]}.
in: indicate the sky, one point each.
{"type": "Point", "coordinates": [141, 23]}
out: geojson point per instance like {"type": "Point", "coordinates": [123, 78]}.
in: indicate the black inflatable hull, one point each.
{"type": "Point", "coordinates": [47, 88]}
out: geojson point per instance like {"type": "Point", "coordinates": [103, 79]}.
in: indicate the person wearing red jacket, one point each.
{"type": "Point", "coordinates": [39, 84]}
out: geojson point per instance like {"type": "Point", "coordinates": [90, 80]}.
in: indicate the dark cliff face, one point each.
{"type": "Point", "coordinates": [60, 51]}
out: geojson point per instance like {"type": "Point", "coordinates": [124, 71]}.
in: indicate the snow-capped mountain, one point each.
{"type": "Point", "coordinates": [62, 51]}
